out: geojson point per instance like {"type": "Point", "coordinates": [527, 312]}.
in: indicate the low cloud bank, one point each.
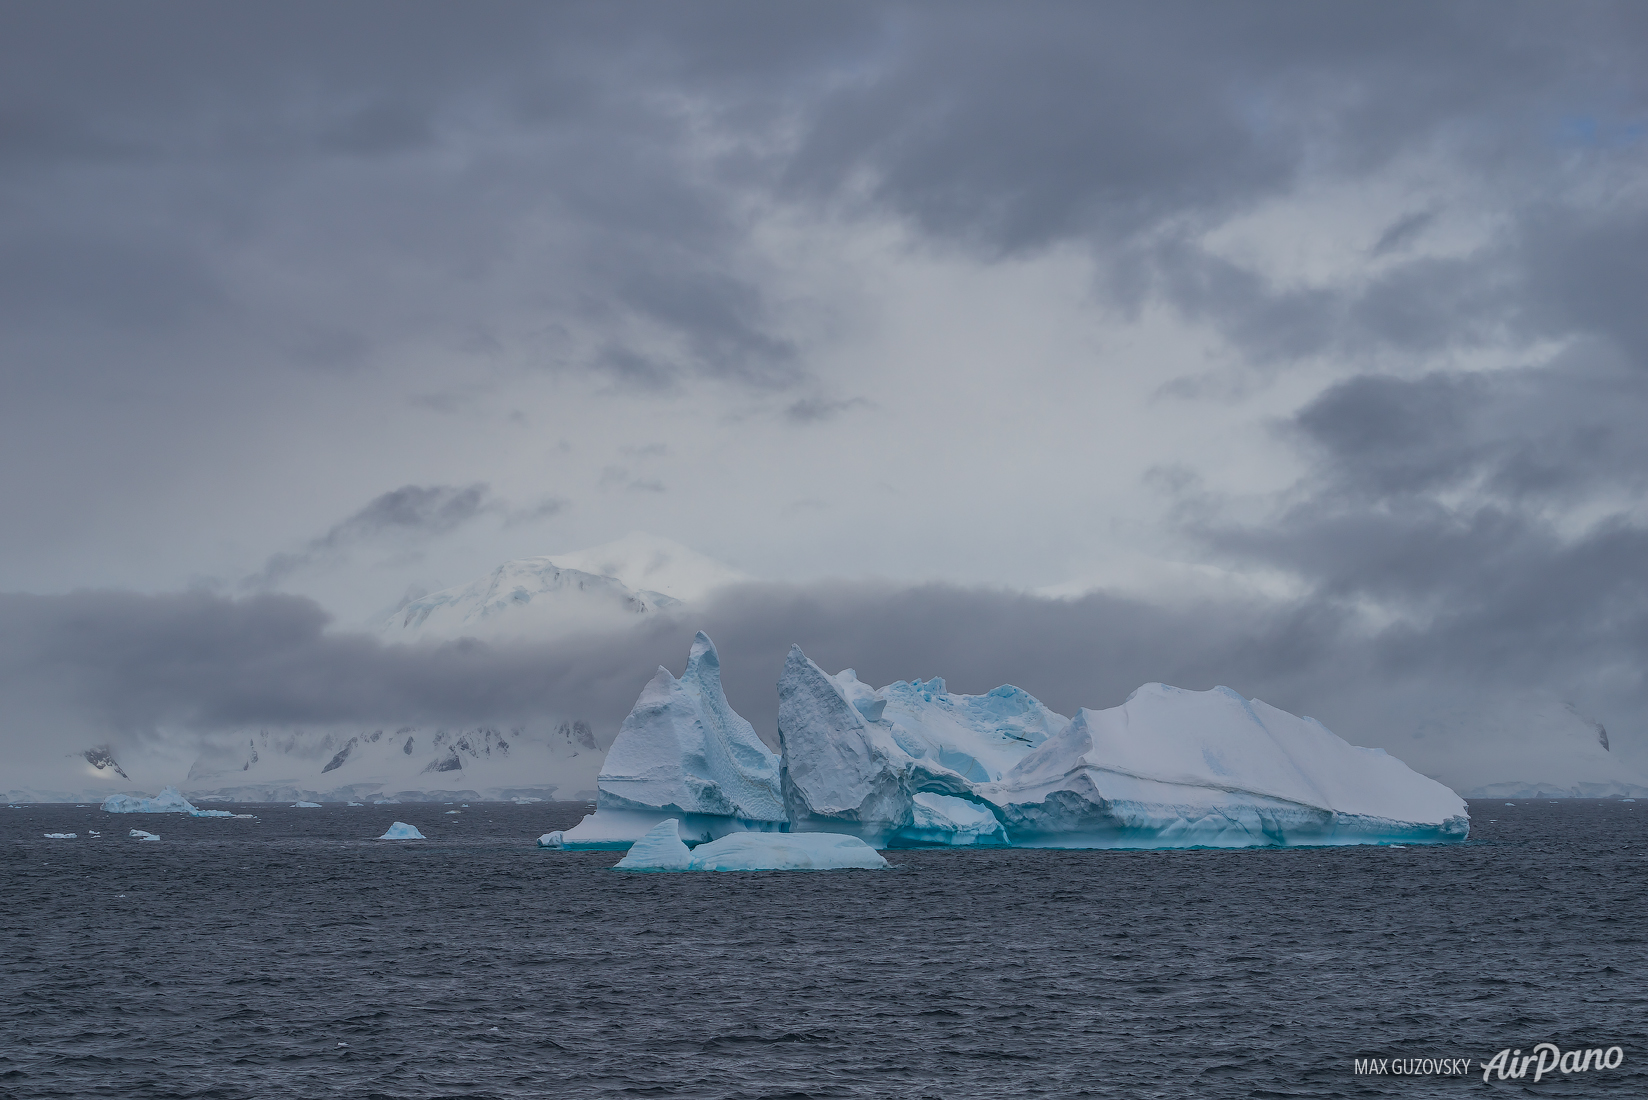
{"type": "Point", "coordinates": [147, 673]}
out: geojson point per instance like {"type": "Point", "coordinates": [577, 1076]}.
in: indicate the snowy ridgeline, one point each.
{"type": "Point", "coordinates": [913, 765]}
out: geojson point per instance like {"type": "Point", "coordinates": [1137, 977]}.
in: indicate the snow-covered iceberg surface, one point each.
{"type": "Point", "coordinates": [662, 850]}
{"type": "Point", "coordinates": [301, 805]}
{"type": "Point", "coordinates": [1176, 768]}
{"type": "Point", "coordinates": [899, 766]}
{"type": "Point", "coordinates": [682, 753]}
{"type": "Point", "coordinates": [400, 830]}
{"type": "Point", "coordinates": [168, 801]}
{"type": "Point", "coordinates": [142, 834]}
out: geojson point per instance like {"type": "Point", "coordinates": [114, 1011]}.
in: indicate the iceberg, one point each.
{"type": "Point", "coordinates": [662, 849]}
{"type": "Point", "coordinates": [301, 805]}
{"type": "Point", "coordinates": [61, 836]}
{"type": "Point", "coordinates": [168, 801]}
{"type": "Point", "coordinates": [898, 767]}
{"type": "Point", "coordinates": [684, 754]}
{"type": "Point", "coordinates": [400, 830]}
{"type": "Point", "coordinates": [1171, 768]}
{"type": "Point", "coordinates": [140, 834]}
{"type": "Point", "coordinates": [786, 852]}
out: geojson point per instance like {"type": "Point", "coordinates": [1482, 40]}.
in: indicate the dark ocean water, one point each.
{"type": "Point", "coordinates": [292, 956]}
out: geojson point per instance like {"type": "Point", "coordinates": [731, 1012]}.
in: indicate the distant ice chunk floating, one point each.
{"type": "Point", "coordinates": [139, 834]}
{"type": "Point", "coordinates": [168, 801]}
{"type": "Point", "coordinates": [682, 753]}
{"type": "Point", "coordinates": [302, 805]}
{"type": "Point", "coordinates": [61, 836]}
{"type": "Point", "coordinates": [662, 849]}
{"type": "Point", "coordinates": [400, 830]}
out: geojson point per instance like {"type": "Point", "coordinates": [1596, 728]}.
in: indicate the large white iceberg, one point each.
{"type": "Point", "coordinates": [661, 849]}
{"type": "Point", "coordinates": [899, 766]}
{"type": "Point", "coordinates": [400, 830]}
{"type": "Point", "coordinates": [168, 801]}
{"type": "Point", "coordinates": [1176, 768]}
{"type": "Point", "coordinates": [682, 753]}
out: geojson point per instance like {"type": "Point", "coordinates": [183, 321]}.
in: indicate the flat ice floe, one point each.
{"type": "Point", "coordinates": [661, 849]}
{"type": "Point", "coordinates": [61, 836]}
{"type": "Point", "coordinates": [400, 830]}
{"type": "Point", "coordinates": [302, 805]}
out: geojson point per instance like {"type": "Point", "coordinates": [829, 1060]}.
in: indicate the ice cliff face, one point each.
{"type": "Point", "coordinates": [1176, 768]}
{"type": "Point", "coordinates": [899, 765]}
{"type": "Point", "coordinates": [683, 753]}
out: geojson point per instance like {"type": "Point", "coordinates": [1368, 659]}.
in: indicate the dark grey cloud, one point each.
{"type": "Point", "coordinates": [112, 665]}
{"type": "Point", "coordinates": [415, 512]}
{"type": "Point", "coordinates": [812, 410]}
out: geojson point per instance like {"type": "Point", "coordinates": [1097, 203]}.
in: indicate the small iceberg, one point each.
{"type": "Point", "coordinates": [354, 803]}
{"type": "Point", "coordinates": [61, 836]}
{"type": "Point", "coordinates": [400, 830]}
{"type": "Point", "coordinates": [168, 801]}
{"type": "Point", "coordinates": [552, 840]}
{"type": "Point", "coordinates": [302, 805]}
{"type": "Point", "coordinates": [662, 849]}
{"type": "Point", "coordinates": [139, 834]}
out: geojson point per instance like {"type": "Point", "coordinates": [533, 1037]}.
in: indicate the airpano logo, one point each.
{"type": "Point", "coordinates": [1550, 1058]}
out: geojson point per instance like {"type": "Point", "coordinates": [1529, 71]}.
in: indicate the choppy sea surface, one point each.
{"type": "Point", "coordinates": [294, 956]}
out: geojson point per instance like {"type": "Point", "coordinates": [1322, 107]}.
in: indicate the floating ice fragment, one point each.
{"type": "Point", "coordinates": [61, 836]}
{"type": "Point", "coordinates": [400, 830]}
{"type": "Point", "coordinates": [302, 805]}
{"type": "Point", "coordinates": [139, 834]}
{"type": "Point", "coordinates": [661, 849]}
{"type": "Point", "coordinates": [552, 840]}
{"type": "Point", "coordinates": [454, 811]}
{"type": "Point", "coordinates": [354, 803]}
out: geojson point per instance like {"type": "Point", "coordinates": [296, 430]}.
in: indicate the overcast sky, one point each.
{"type": "Point", "coordinates": [1330, 315]}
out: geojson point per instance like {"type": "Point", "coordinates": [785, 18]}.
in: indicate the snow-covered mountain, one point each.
{"type": "Point", "coordinates": [406, 764]}
{"type": "Point", "coordinates": [603, 587]}
{"type": "Point", "coordinates": [1520, 746]}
